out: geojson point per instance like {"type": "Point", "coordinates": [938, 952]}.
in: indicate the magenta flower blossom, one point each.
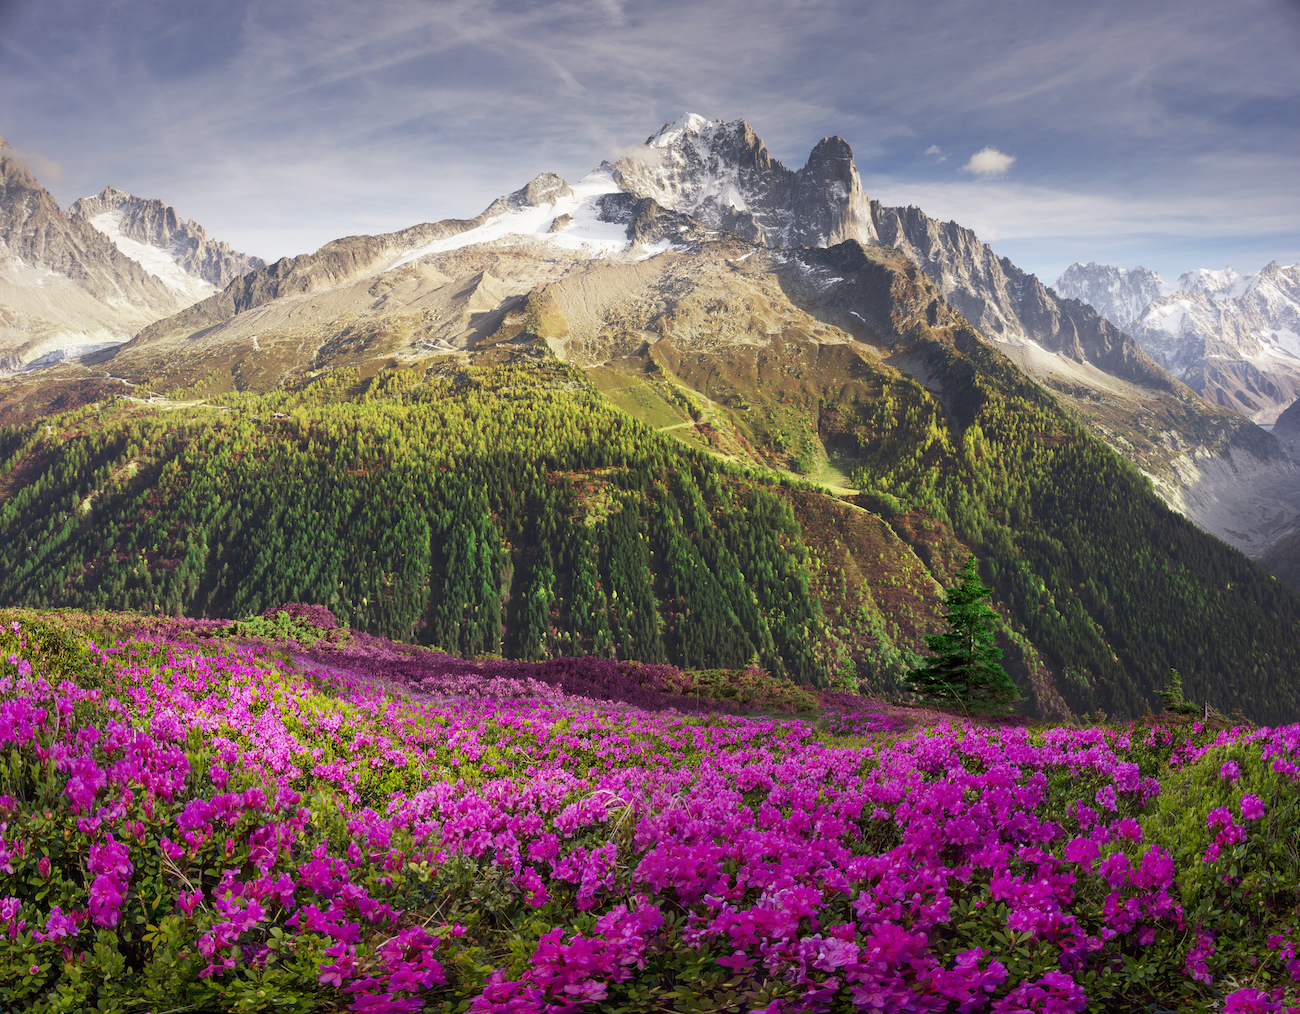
{"type": "Point", "coordinates": [87, 779]}
{"type": "Point", "coordinates": [1252, 1001]}
{"type": "Point", "coordinates": [110, 857]}
{"type": "Point", "coordinates": [1220, 816]}
{"type": "Point", "coordinates": [1230, 771]}
{"type": "Point", "coordinates": [1082, 851]}
{"type": "Point", "coordinates": [106, 896]}
{"type": "Point", "coordinates": [1252, 807]}
{"type": "Point", "coordinates": [58, 925]}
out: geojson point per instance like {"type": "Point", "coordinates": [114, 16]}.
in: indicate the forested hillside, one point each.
{"type": "Point", "coordinates": [514, 510]}
{"type": "Point", "coordinates": [500, 511]}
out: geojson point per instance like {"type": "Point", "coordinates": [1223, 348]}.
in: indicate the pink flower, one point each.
{"type": "Point", "coordinates": [1115, 868]}
{"type": "Point", "coordinates": [1082, 851]}
{"type": "Point", "coordinates": [1251, 1001]}
{"type": "Point", "coordinates": [57, 925]}
{"type": "Point", "coordinates": [1230, 771]}
{"type": "Point", "coordinates": [110, 857]}
{"type": "Point", "coordinates": [1252, 807]}
{"type": "Point", "coordinates": [106, 896]}
{"type": "Point", "coordinates": [1220, 815]}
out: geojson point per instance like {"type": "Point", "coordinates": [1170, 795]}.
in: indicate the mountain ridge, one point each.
{"type": "Point", "coordinates": [150, 221]}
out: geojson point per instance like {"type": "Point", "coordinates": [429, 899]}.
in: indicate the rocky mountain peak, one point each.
{"type": "Point", "coordinates": [544, 189]}
{"type": "Point", "coordinates": [153, 233]}
{"type": "Point", "coordinates": [722, 175]}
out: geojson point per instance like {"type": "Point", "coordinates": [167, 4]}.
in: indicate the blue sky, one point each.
{"type": "Point", "coordinates": [1155, 132]}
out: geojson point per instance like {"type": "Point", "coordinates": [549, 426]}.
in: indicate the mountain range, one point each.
{"type": "Point", "coordinates": [90, 278]}
{"type": "Point", "coordinates": [690, 335]}
{"type": "Point", "coordinates": [1234, 339]}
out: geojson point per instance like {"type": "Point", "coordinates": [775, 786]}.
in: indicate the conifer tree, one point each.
{"type": "Point", "coordinates": [964, 665]}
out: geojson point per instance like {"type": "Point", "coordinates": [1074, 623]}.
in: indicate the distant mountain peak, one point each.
{"type": "Point", "coordinates": [178, 251]}
{"type": "Point", "coordinates": [1118, 294]}
{"type": "Point", "coordinates": [1233, 338]}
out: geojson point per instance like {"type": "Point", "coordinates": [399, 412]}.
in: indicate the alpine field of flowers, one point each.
{"type": "Point", "coordinates": [280, 816]}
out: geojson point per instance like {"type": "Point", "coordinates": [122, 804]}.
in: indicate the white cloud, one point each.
{"type": "Point", "coordinates": [934, 149]}
{"type": "Point", "coordinates": [989, 162]}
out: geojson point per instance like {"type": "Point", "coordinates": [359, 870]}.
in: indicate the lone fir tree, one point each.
{"type": "Point", "coordinates": [965, 666]}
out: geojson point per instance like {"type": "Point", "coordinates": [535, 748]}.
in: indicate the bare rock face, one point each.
{"type": "Point", "coordinates": [155, 224]}
{"type": "Point", "coordinates": [1007, 304]}
{"type": "Point", "coordinates": [722, 175]}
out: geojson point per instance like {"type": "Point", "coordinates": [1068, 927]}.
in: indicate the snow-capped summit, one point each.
{"type": "Point", "coordinates": [722, 174]}
{"type": "Point", "coordinates": [1218, 285]}
{"type": "Point", "coordinates": [688, 123]}
{"type": "Point", "coordinates": [180, 253]}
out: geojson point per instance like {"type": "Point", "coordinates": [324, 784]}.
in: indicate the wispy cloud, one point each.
{"type": "Point", "coordinates": [44, 169]}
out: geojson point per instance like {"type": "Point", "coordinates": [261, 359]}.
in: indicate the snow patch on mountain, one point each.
{"type": "Point", "coordinates": [158, 261]}
{"type": "Point", "coordinates": [577, 214]}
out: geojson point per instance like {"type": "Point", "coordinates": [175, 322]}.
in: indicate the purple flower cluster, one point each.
{"type": "Point", "coordinates": [316, 616]}
{"type": "Point", "coordinates": [771, 849]}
